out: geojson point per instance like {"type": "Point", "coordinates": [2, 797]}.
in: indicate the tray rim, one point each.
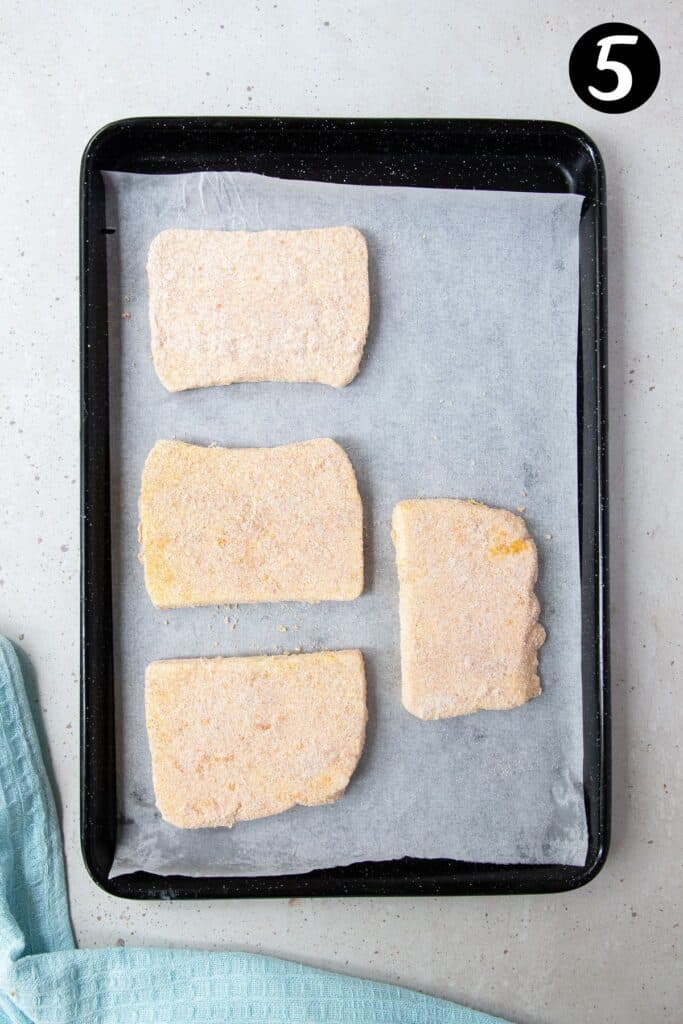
{"type": "Point", "coordinates": [407, 876]}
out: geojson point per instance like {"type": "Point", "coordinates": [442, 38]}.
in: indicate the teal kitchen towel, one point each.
{"type": "Point", "coordinates": [45, 980]}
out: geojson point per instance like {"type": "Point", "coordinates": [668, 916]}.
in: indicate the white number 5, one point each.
{"type": "Point", "coordinates": [623, 73]}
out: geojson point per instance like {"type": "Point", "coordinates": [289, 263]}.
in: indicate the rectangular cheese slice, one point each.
{"type": "Point", "coordinates": [243, 525]}
{"type": "Point", "coordinates": [469, 616]}
{"type": "Point", "coordinates": [239, 738]}
{"type": "Point", "coordinates": [229, 306]}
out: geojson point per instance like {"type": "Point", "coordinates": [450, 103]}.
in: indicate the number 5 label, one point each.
{"type": "Point", "coordinates": [614, 68]}
{"type": "Point", "coordinates": [622, 71]}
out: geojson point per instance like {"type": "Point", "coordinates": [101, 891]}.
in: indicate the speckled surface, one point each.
{"type": "Point", "coordinates": [609, 952]}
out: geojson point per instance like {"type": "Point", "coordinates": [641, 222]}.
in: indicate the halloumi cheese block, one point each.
{"type": "Point", "coordinates": [469, 616]}
{"type": "Point", "coordinates": [229, 306]}
{"type": "Point", "coordinates": [234, 739]}
{"type": "Point", "coordinates": [243, 525]}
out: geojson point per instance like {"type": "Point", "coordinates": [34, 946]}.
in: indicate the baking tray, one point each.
{"type": "Point", "coordinates": [534, 156]}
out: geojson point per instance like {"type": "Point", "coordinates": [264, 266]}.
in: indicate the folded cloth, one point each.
{"type": "Point", "coordinates": [44, 979]}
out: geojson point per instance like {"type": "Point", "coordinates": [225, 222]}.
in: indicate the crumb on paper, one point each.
{"type": "Point", "coordinates": [125, 315]}
{"type": "Point", "coordinates": [548, 536]}
{"type": "Point", "coordinates": [282, 629]}
{"type": "Point", "coordinates": [521, 508]}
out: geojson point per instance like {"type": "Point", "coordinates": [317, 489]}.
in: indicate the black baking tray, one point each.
{"type": "Point", "coordinates": [533, 156]}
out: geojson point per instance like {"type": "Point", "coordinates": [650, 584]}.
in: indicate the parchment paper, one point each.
{"type": "Point", "coordinates": [467, 389]}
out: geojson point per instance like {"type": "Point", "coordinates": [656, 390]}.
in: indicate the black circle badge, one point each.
{"type": "Point", "coordinates": [614, 68]}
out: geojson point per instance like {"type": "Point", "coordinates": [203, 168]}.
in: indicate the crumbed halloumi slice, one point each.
{"type": "Point", "coordinates": [239, 738]}
{"type": "Point", "coordinates": [230, 306]}
{"type": "Point", "coordinates": [243, 525]}
{"type": "Point", "coordinates": [469, 616]}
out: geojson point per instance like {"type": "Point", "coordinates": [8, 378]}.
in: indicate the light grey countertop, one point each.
{"type": "Point", "coordinates": [611, 951]}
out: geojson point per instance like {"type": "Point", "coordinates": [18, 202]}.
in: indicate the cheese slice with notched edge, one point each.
{"type": "Point", "coordinates": [234, 739]}
{"type": "Point", "coordinates": [469, 617]}
{"type": "Point", "coordinates": [244, 525]}
{"type": "Point", "coordinates": [229, 306]}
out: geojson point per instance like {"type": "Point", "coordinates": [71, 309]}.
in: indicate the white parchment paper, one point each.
{"type": "Point", "coordinates": [467, 389]}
